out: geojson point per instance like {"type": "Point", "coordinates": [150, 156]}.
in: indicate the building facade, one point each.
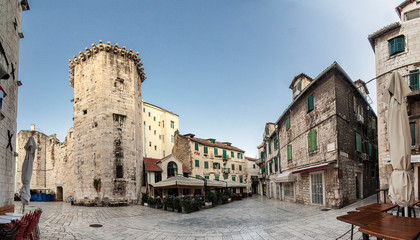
{"type": "Point", "coordinates": [397, 48]}
{"type": "Point", "coordinates": [252, 170]}
{"type": "Point", "coordinates": [327, 143]}
{"type": "Point", "coordinates": [10, 34]}
{"type": "Point", "coordinates": [107, 125]}
{"type": "Point", "coordinates": [209, 158]}
{"type": "Point", "coordinates": [159, 126]}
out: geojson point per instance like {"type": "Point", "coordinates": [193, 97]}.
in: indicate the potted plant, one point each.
{"type": "Point", "coordinates": [165, 202]}
{"type": "Point", "coordinates": [144, 198]}
{"type": "Point", "coordinates": [151, 202]}
{"type": "Point", "coordinates": [177, 204]}
{"type": "Point", "coordinates": [186, 205]}
{"type": "Point", "coordinates": [158, 203]}
{"type": "Point", "coordinates": [225, 199]}
{"type": "Point", "coordinates": [219, 196]}
{"type": "Point", "coordinates": [170, 203]}
{"type": "Point", "coordinates": [196, 204]}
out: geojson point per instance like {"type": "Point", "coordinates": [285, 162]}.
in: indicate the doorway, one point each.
{"type": "Point", "coordinates": [59, 196]}
{"type": "Point", "coordinates": [317, 189]}
{"type": "Point", "coordinates": [358, 176]}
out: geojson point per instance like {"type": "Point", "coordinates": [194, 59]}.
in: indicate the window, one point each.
{"type": "Point", "coordinates": [206, 177]}
{"type": "Point", "coordinates": [271, 167]}
{"type": "Point", "coordinates": [239, 155]}
{"type": "Point", "coordinates": [163, 124]}
{"type": "Point", "coordinates": [276, 165]}
{"type": "Point", "coordinates": [262, 155]}
{"type": "Point", "coordinates": [310, 103]}
{"type": "Point", "coordinates": [155, 148]}
{"type": "Point", "coordinates": [154, 132]}
{"type": "Point", "coordinates": [216, 178]}
{"type": "Point", "coordinates": [172, 169]}
{"type": "Point", "coordinates": [233, 178]}
{"type": "Point", "coordinates": [154, 119]}
{"type": "Point", "coordinates": [216, 152]}
{"type": "Point", "coordinates": [412, 15]}
{"type": "Point", "coordinates": [159, 124]}
{"type": "Point", "coordinates": [160, 137]}
{"type": "Point", "coordinates": [269, 147]}
{"type": "Point", "coordinates": [158, 177]}
{"type": "Point", "coordinates": [216, 165]}
{"type": "Point", "coordinates": [354, 104]}
{"type": "Point", "coordinates": [233, 167]}
{"type": "Point", "coordinates": [144, 109]}
{"type": "Point", "coordinates": [149, 114]}
{"type": "Point", "coordinates": [276, 143]}
{"type": "Point", "coordinates": [413, 133]}
{"type": "Point", "coordinates": [225, 177]}
{"type": "Point", "coordinates": [287, 123]}
{"type": "Point", "coordinates": [172, 124]}
{"type": "Point", "coordinates": [197, 176]}
{"type": "Point", "coordinates": [312, 141]}
{"type": "Point", "coordinates": [253, 166]}
{"type": "Point", "coordinates": [224, 154]}
{"type": "Point", "coordinates": [172, 138]}
{"type": "Point", "coordinates": [370, 149]}
{"type": "Point", "coordinates": [289, 152]}
{"type": "Point", "coordinates": [240, 179]}
{"type": "Point", "coordinates": [212, 140]}
{"type": "Point", "coordinates": [358, 143]}
{"type": "Point", "coordinates": [414, 79]}
{"type": "Point", "coordinates": [206, 165]}
{"type": "Point", "coordinates": [150, 128]}
{"type": "Point", "coordinates": [232, 154]}
{"type": "Point", "coordinates": [119, 171]}
{"type": "Point", "coordinates": [206, 150]}
{"type": "Point", "coordinates": [85, 112]}
{"type": "Point", "coordinates": [396, 45]}
{"type": "Point", "coordinates": [150, 144]}
{"type": "Point", "coordinates": [196, 146]}
{"type": "Point", "coordinates": [240, 167]}
{"type": "Point", "coordinates": [197, 163]}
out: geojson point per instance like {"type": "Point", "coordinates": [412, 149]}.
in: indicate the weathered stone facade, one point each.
{"type": "Point", "coordinates": [107, 123]}
{"type": "Point", "coordinates": [406, 62]}
{"type": "Point", "coordinates": [10, 33]}
{"type": "Point", "coordinates": [327, 143]}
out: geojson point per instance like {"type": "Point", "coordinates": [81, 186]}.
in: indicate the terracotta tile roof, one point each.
{"type": "Point", "coordinates": [216, 144]}
{"type": "Point", "coordinates": [298, 77]}
{"type": "Point", "coordinates": [150, 164]}
{"type": "Point", "coordinates": [250, 159]}
{"type": "Point", "coordinates": [185, 170]}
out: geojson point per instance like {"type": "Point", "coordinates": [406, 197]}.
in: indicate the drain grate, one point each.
{"type": "Point", "coordinates": [95, 225]}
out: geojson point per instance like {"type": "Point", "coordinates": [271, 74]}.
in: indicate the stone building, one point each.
{"type": "Point", "coordinates": [107, 123]}
{"type": "Point", "coordinates": [327, 142]}
{"type": "Point", "coordinates": [209, 158]}
{"type": "Point", "coordinates": [159, 126]}
{"type": "Point", "coordinates": [252, 170]}
{"type": "Point", "coordinates": [397, 48]}
{"type": "Point", "coordinates": [10, 34]}
{"type": "Point", "coordinates": [269, 160]}
{"type": "Point", "coordinates": [53, 168]}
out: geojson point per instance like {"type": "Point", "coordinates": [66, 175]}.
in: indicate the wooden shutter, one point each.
{"type": "Point", "coordinates": [358, 142]}
{"type": "Point", "coordinates": [224, 154]}
{"type": "Point", "coordinates": [216, 152]}
{"type": "Point", "coordinates": [206, 165]}
{"type": "Point", "coordinates": [206, 150]}
{"type": "Point", "coordinates": [276, 165]}
{"type": "Point", "coordinates": [197, 163]}
{"type": "Point", "coordinates": [414, 80]}
{"type": "Point", "coordinates": [413, 133]}
{"type": "Point", "coordinates": [232, 154]}
{"type": "Point", "coordinates": [289, 152]}
{"type": "Point", "coordinates": [288, 123]}
{"type": "Point", "coordinates": [196, 146]}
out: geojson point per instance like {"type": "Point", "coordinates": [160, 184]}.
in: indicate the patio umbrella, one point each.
{"type": "Point", "coordinates": [27, 167]}
{"type": "Point", "coordinates": [401, 185]}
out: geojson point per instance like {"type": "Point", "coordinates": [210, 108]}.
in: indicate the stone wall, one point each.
{"type": "Point", "coordinates": [182, 151]}
{"type": "Point", "coordinates": [10, 27]}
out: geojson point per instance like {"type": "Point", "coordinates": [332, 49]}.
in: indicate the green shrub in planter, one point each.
{"type": "Point", "coordinates": [158, 202]}
{"type": "Point", "coordinates": [196, 203]}
{"type": "Point", "coordinates": [151, 202]}
{"type": "Point", "coordinates": [177, 204]}
{"type": "Point", "coordinates": [219, 196]}
{"type": "Point", "coordinates": [144, 198]}
{"type": "Point", "coordinates": [186, 205]}
{"type": "Point", "coordinates": [225, 199]}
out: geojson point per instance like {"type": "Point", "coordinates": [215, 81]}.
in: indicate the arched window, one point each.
{"type": "Point", "coordinates": [172, 169]}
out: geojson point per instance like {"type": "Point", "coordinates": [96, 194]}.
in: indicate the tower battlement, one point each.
{"type": "Point", "coordinates": [113, 49]}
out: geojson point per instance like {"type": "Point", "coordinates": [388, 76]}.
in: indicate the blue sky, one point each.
{"type": "Point", "coordinates": [223, 66]}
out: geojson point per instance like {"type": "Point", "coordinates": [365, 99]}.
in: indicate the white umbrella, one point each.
{"type": "Point", "coordinates": [27, 167]}
{"type": "Point", "coordinates": [401, 185]}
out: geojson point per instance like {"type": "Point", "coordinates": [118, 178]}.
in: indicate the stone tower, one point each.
{"type": "Point", "coordinates": [108, 157]}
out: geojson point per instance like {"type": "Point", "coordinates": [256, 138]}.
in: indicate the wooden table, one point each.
{"type": "Point", "coordinates": [377, 207]}
{"type": "Point", "coordinates": [393, 227]}
{"type": "Point", "coordinates": [362, 218]}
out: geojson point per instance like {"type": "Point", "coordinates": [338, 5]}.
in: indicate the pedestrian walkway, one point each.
{"type": "Point", "coordinates": [252, 218]}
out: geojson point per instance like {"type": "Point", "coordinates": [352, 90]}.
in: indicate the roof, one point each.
{"type": "Point", "coordinates": [382, 31]}
{"type": "Point", "coordinates": [150, 164]}
{"type": "Point", "coordinates": [250, 159]}
{"type": "Point", "coordinates": [160, 108]}
{"type": "Point", "coordinates": [208, 143]}
{"type": "Point", "coordinates": [297, 78]}
{"type": "Point", "coordinates": [185, 181]}
{"type": "Point", "coordinates": [333, 66]}
{"type": "Point", "coordinates": [185, 170]}
{"type": "Point", "coordinates": [400, 7]}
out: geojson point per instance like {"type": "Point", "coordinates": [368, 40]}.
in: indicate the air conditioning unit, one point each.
{"type": "Point", "coordinates": [360, 118]}
{"type": "Point", "coordinates": [365, 156]}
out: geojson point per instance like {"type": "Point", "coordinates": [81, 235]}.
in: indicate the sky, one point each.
{"type": "Point", "coordinates": [223, 66]}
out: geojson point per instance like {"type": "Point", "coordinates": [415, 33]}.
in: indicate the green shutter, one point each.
{"type": "Point", "coordinates": [414, 79]}
{"type": "Point", "coordinates": [216, 152]}
{"type": "Point", "coordinates": [312, 141]}
{"type": "Point", "coordinates": [310, 103]}
{"type": "Point", "coordinates": [413, 133]}
{"type": "Point", "coordinates": [358, 142]}
{"type": "Point", "coordinates": [233, 166]}
{"type": "Point", "coordinates": [289, 152]}
{"type": "Point", "coordinates": [276, 165]}
{"type": "Point", "coordinates": [224, 154]}
{"type": "Point", "coordinates": [269, 147]}
{"type": "Point", "coordinates": [240, 167]}
{"type": "Point", "coordinates": [233, 178]}
{"type": "Point", "coordinates": [206, 165]}
{"type": "Point", "coordinates": [197, 163]}
{"type": "Point", "coordinates": [262, 155]}
{"type": "Point", "coordinates": [275, 142]}
{"type": "Point", "coordinates": [206, 150]}
{"type": "Point", "coordinates": [216, 178]}
{"type": "Point", "coordinates": [207, 177]}
{"type": "Point", "coordinates": [288, 123]}
{"type": "Point", "coordinates": [196, 146]}
{"type": "Point", "coordinates": [232, 154]}
{"type": "Point", "coordinates": [263, 170]}
{"type": "Point", "coordinates": [240, 179]}
{"type": "Point", "coordinates": [271, 167]}
{"type": "Point", "coordinates": [225, 177]}
{"type": "Point", "coordinates": [197, 176]}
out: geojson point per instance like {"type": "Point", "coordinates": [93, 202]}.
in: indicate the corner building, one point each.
{"type": "Point", "coordinates": [397, 49]}
{"type": "Point", "coordinates": [107, 123]}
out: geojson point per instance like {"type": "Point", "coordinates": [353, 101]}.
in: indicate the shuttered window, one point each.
{"type": "Point", "coordinates": [232, 154]}
{"type": "Point", "coordinates": [206, 165]}
{"type": "Point", "coordinates": [276, 165]}
{"type": "Point", "coordinates": [269, 147]}
{"type": "Point", "coordinates": [262, 155]}
{"type": "Point", "coordinates": [312, 141]}
{"type": "Point", "coordinates": [216, 178]}
{"type": "Point", "coordinates": [240, 167]}
{"type": "Point", "coordinates": [358, 143]}
{"type": "Point", "coordinates": [197, 176]}
{"type": "Point", "coordinates": [414, 80]}
{"type": "Point", "coordinates": [370, 149]}
{"type": "Point", "coordinates": [206, 177]}
{"type": "Point", "coordinates": [413, 133]}
{"type": "Point", "coordinates": [289, 152]}
{"type": "Point", "coordinates": [233, 167]}
{"type": "Point", "coordinates": [216, 151]}
{"type": "Point", "coordinates": [396, 45]}
{"type": "Point", "coordinates": [240, 179]}
{"type": "Point", "coordinates": [224, 154]}
{"type": "Point", "coordinates": [197, 163]}
{"type": "Point", "coordinates": [271, 167]}
{"type": "Point", "coordinates": [310, 103]}
{"type": "Point", "coordinates": [206, 150]}
{"type": "Point", "coordinates": [196, 147]}
{"type": "Point", "coordinates": [233, 178]}
{"type": "Point", "coordinates": [287, 123]}
{"type": "Point", "coordinates": [276, 143]}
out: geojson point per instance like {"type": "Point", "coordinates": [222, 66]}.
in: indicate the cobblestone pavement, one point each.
{"type": "Point", "coordinates": [252, 218]}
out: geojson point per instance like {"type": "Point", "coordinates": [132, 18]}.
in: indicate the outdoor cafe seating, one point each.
{"type": "Point", "coordinates": [375, 220]}
{"type": "Point", "coordinates": [17, 226]}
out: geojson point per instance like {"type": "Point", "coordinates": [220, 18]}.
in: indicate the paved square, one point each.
{"type": "Point", "coordinates": [252, 218]}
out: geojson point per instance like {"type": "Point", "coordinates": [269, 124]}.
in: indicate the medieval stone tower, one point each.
{"type": "Point", "coordinates": [108, 142]}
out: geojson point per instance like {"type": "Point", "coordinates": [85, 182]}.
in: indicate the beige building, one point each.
{"type": "Point", "coordinates": [252, 170]}
{"type": "Point", "coordinates": [209, 158]}
{"type": "Point", "coordinates": [397, 48]}
{"type": "Point", "coordinates": [159, 126]}
{"type": "Point", "coordinates": [10, 34]}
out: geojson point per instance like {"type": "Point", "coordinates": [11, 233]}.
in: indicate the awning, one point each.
{"type": "Point", "coordinates": [312, 168]}
{"type": "Point", "coordinates": [179, 181]}
{"type": "Point", "coordinates": [233, 184]}
{"type": "Point", "coordinates": [285, 177]}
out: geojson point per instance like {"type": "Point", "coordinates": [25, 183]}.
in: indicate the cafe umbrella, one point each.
{"type": "Point", "coordinates": [27, 167]}
{"type": "Point", "coordinates": [401, 189]}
